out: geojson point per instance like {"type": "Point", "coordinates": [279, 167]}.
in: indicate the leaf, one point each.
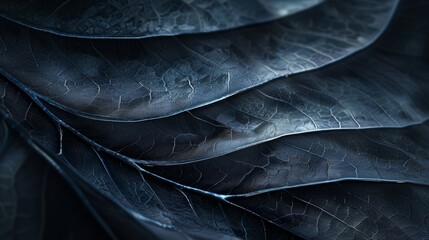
{"type": "Point", "coordinates": [349, 210]}
{"type": "Point", "coordinates": [373, 90]}
{"type": "Point", "coordinates": [398, 155]}
{"type": "Point", "coordinates": [142, 197]}
{"type": "Point", "coordinates": [155, 201]}
{"type": "Point", "coordinates": [145, 18]}
{"type": "Point", "coordinates": [35, 201]}
{"type": "Point", "coordinates": [108, 164]}
{"type": "Point", "coordinates": [134, 80]}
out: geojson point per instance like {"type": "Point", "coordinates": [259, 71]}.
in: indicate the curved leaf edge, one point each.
{"type": "Point", "coordinates": [364, 47]}
{"type": "Point", "coordinates": [153, 35]}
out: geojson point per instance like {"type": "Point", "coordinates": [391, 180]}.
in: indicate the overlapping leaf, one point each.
{"type": "Point", "coordinates": [378, 154]}
{"type": "Point", "coordinates": [20, 110]}
{"type": "Point", "coordinates": [143, 198]}
{"type": "Point", "coordinates": [299, 210]}
{"type": "Point", "coordinates": [258, 192]}
{"type": "Point", "coordinates": [145, 18]}
{"type": "Point", "coordinates": [368, 91]}
{"type": "Point", "coordinates": [130, 80]}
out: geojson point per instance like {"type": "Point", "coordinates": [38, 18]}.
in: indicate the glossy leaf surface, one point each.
{"type": "Point", "coordinates": [149, 137]}
{"type": "Point", "coordinates": [145, 18]}
{"type": "Point", "coordinates": [306, 159]}
{"type": "Point", "coordinates": [132, 80]}
{"type": "Point", "coordinates": [373, 90]}
{"type": "Point", "coordinates": [146, 199]}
